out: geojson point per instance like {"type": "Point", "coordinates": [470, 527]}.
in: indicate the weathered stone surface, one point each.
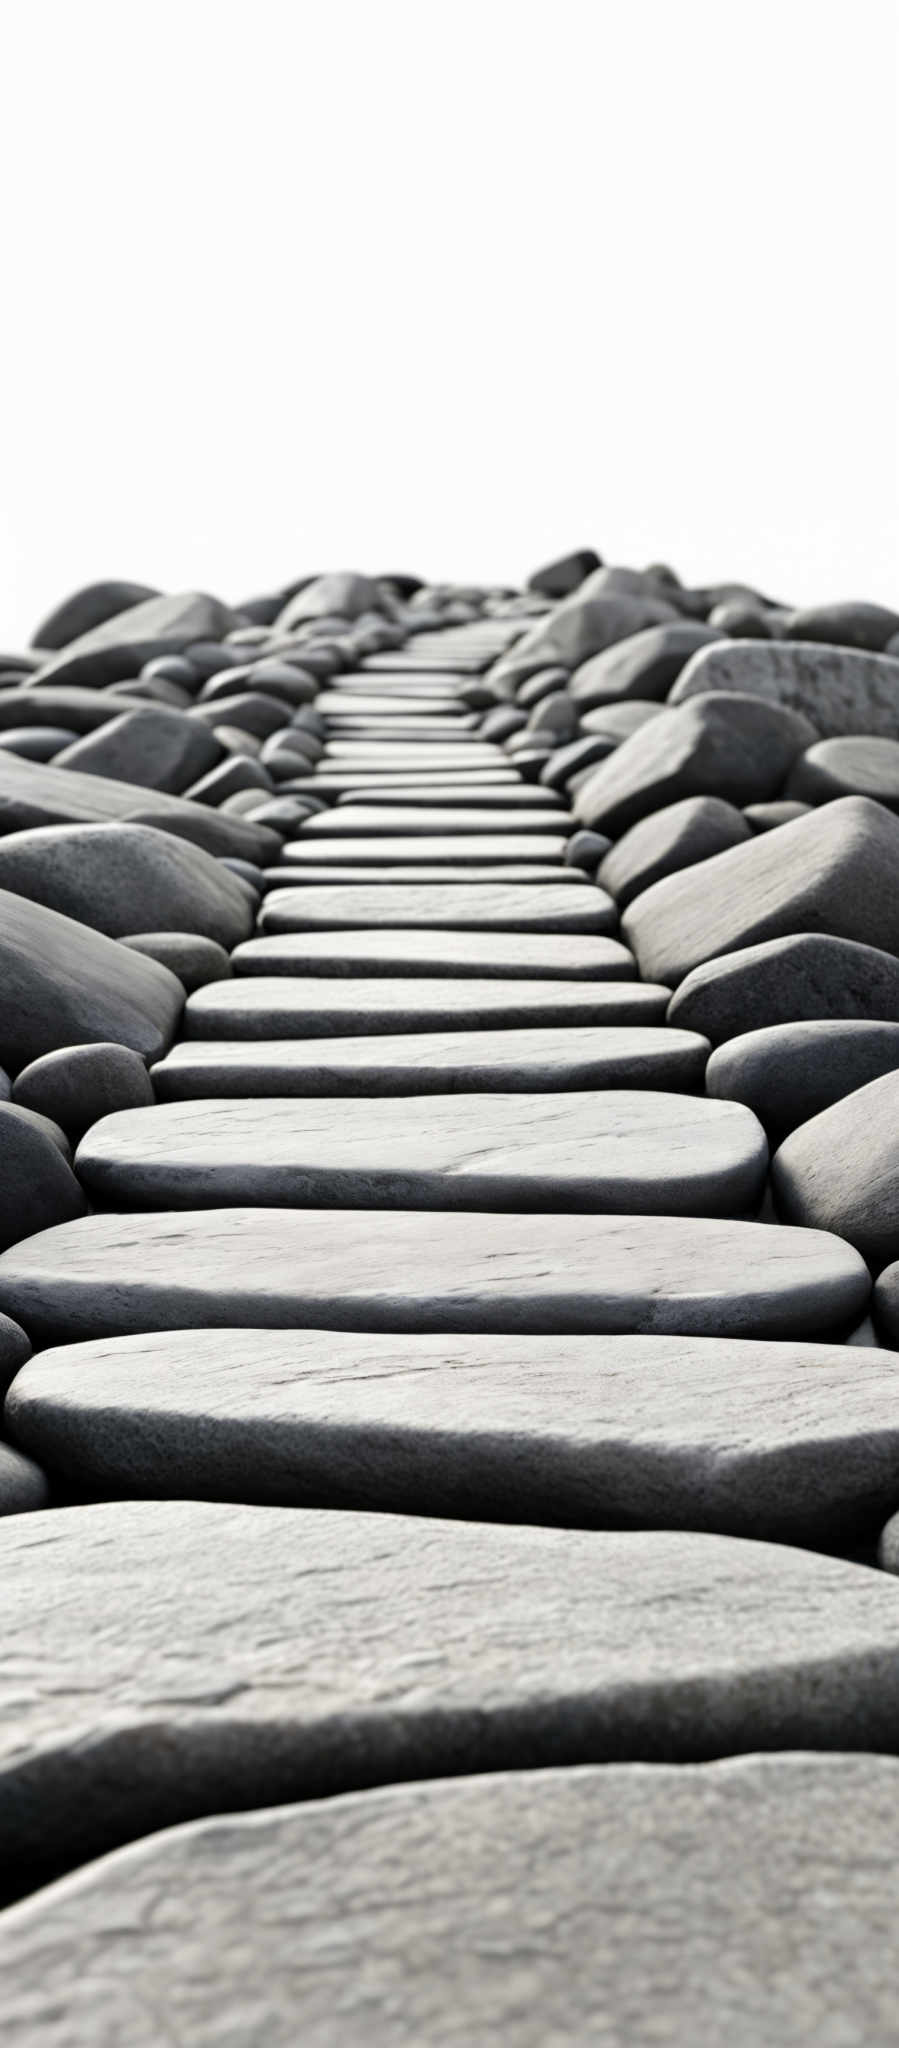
{"type": "Point", "coordinates": [156, 748]}
{"type": "Point", "coordinates": [767, 817]}
{"type": "Point", "coordinates": [123, 878]}
{"type": "Point", "coordinates": [270, 1915]}
{"type": "Point", "coordinates": [835, 871]}
{"type": "Point", "coordinates": [840, 690]}
{"type": "Point", "coordinates": [37, 793]}
{"type": "Point", "coordinates": [381, 1270]}
{"type": "Point", "coordinates": [88, 608]}
{"type": "Point", "coordinates": [194, 960]}
{"type": "Point", "coordinates": [37, 1187]}
{"type": "Point", "coordinates": [454, 849]}
{"type": "Point", "coordinates": [786, 1442]}
{"type": "Point", "coordinates": [362, 821]}
{"type": "Point", "coordinates": [852, 624]}
{"type": "Point", "coordinates": [644, 665]}
{"type": "Point", "coordinates": [63, 984]}
{"type": "Point", "coordinates": [738, 748]}
{"type": "Point", "coordinates": [414, 873]}
{"type": "Point", "coordinates": [630, 1151]}
{"type": "Point", "coordinates": [435, 1062]}
{"type": "Point", "coordinates": [447, 906]}
{"type": "Point", "coordinates": [788, 1073]}
{"type": "Point", "coordinates": [80, 1083]}
{"type": "Point", "coordinates": [675, 837]}
{"type": "Point", "coordinates": [787, 981]}
{"type": "Point", "coordinates": [315, 1006]}
{"type": "Point", "coordinates": [851, 767]}
{"type": "Point", "coordinates": [520, 956]}
{"type": "Point", "coordinates": [122, 643]}
{"type": "Point", "coordinates": [840, 1171]}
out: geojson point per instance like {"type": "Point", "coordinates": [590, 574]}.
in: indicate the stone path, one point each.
{"type": "Point", "coordinates": [449, 1316]}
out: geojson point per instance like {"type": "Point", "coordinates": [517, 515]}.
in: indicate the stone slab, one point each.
{"type": "Point", "coordinates": [382, 1270]}
{"type": "Point", "coordinates": [321, 1006]}
{"type": "Point", "coordinates": [549, 956]}
{"type": "Point", "coordinates": [447, 906]}
{"type": "Point", "coordinates": [414, 872]}
{"type": "Point", "coordinates": [457, 849]}
{"type": "Point", "coordinates": [434, 1063]}
{"type": "Point", "coordinates": [362, 821]}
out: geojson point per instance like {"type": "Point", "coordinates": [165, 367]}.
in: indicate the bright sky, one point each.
{"type": "Point", "coordinates": [447, 286]}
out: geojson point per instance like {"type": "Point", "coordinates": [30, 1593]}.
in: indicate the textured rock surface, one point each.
{"type": "Point", "coordinates": [784, 981]}
{"type": "Point", "coordinates": [125, 878]}
{"type": "Point", "coordinates": [840, 690]}
{"type": "Point", "coordinates": [280, 1006]}
{"type": "Point", "coordinates": [447, 906]}
{"type": "Point", "coordinates": [545, 956]}
{"type": "Point", "coordinates": [675, 837]}
{"type": "Point", "coordinates": [788, 1073]}
{"type": "Point", "coordinates": [738, 748]}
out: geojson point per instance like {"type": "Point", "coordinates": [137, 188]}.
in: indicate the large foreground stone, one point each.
{"type": "Point", "coordinates": [636, 1152]}
{"type": "Point", "coordinates": [447, 906]}
{"type": "Point", "coordinates": [840, 1171]}
{"type": "Point", "coordinates": [543, 956]}
{"type": "Point", "coordinates": [616, 1906]}
{"type": "Point", "coordinates": [836, 871]}
{"type": "Point", "coordinates": [788, 1073]}
{"type": "Point", "coordinates": [784, 981]}
{"type": "Point", "coordinates": [377, 1270]}
{"type": "Point", "coordinates": [789, 1442]}
{"type": "Point", "coordinates": [63, 984]}
{"type": "Point", "coordinates": [38, 793]}
{"type": "Point", "coordinates": [436, 1063]}
{"type": "Point", "coordinates": [260, 1006]}
{"type": "Point", "coordinates": [840, 690]}
{"type": "Point", "coordinates": [126, 878]}
{"type": "Point", "coordinates": [738, 748]}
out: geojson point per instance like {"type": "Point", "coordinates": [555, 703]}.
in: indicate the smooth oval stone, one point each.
{"type": "Point", "coordinates": [840, 1171]}
{"type": "Point", "coordinates": [435, 1063]}
{"type": "Point", "coordinates": [80, 1083]}
{"type": "Point", "coordinates": [850, 767]}
{"type": "Point", "coordinates": [194, 960]}
{"type": "Point", "coordinates": [360, 821]}
{"type": "Point", "coordinates": [35, 742]}
{"type": "Point", "coordinates": [34, 793]}
{"type": "Point", "coordinates": [841, 690]}
{"type": "Point", "coordinates": [15, 1348]}
{"type": "Point", "coordinates": [37, 1186]}
{"type": "Point", "coordinates": [852, 624]}
{"type": "Point", "coordinates": [249, 1656]}
{"type": "Point", "coordinates": [157, 748]}
{"type": "Point", "coordinates": [787, 1442]}
{"type": "Point", "coordinates": [87, 608]}
{"type": "Point", "coordinates": [23, 1486]}
{"type": "Point", "coordinates": [523, 956]}
{"type": "Point", "coordinates": [122, 878]}
{"type": "Point", "coordinates": [834, 871]}
{"type": "Point", "coordinates": [318, 1006]}
{"type": "Point", "coordinates": [673, 838]}
{"type": "Point", "coordinates": [383, 1270]}
{"type": "Point", "coordinates": [458, 850]}
{"type": "Point", "coordinates": [612, 1150]}
{"type": "Point", "coordinates": [64, 984]}
{"type": "Point", "coordinates": [448, 906]}
{"type": "Point", "coordinates": [788, 1073]}
{"type": "Point", "coordinates": [784, 981]}
{"type": "Point", "coordinates": [644, 665]}
{"type": "Point", "coordinates": [739, 748]}
{"type": "Point", "coordinates": [368, 1913]}
{"type": "Point", "coordinates": [767, 817]}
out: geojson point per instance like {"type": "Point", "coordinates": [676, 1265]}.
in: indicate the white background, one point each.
{"type": "Point", "coordinates": [448, 286]}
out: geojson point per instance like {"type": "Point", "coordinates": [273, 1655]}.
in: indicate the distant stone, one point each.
{"type": "Point", "coordinates": [345, 595]}
{"type": "Point", "coordinates": [839, 689]}
{"type": "Point", "coordinates": [155, 748]}
{"type": "Point", "coordinates": [251, 710]}
{"type": "Point", "coordinates": [88, 608]}
{"type": "Point", "coordinates": [566, 764]}
{"type": "Point", "coordinates": [125, 878]}
{"type": "Point", "coordinates": [675, 837]}
{"type": "Point", "coordinates": [586, 850]}
{"type": "Point", "coordinates": [560, 577]}
{"type": "Point", "coordinates": [787, 981]}
{"type": "Point", "coordinates": [645, 665]}
{"type": "Point", "coordinates": [237, 772]}
{"type": "Point", "coordinates": [63, 984]}
{"type": "Point", "coordinates": [788, 1073]}
{"type": "Point", "coordinates": [767, 817]}
{"type": "Point", "coordinates": [81, 1083]}
{"type": "Point", "coordinates": [194, 960]}
{"type": "Point", "coordinates": [618, 721]}
{"type": "Point", "coordinates": [741, 621]}
{"type": "Point", "coordinates": [583, 624]}
{"type": "Point", "coordinates": [37, 1188]}
{"type": "Point", "coordinates": [851, 767]}
{"type": "Point", "coordinates": [840, 1171]}
{"type": "Point", "coordinates": [728, 746]}
{"type": "Point", "coordinates": [124, 642]}
{"type": "Point", "coordinates": [869, 626]}
{"type": "Point", "coordinates": [36, 742]}
{"type": "Point", "coordinates": [835, 871]}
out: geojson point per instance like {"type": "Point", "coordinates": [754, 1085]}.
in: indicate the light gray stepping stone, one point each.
{"type": "Point", "coordinates": [452, 848]}
{"type": "Point", "coordinates": [840, 1171]}
{"type": "Point", "coordinates": [462, 753]}
{"type": "Point", "coordinates": [433, 1063]}
{"type": "Point", "coordinates": [362, 821]}
{"type": "Point", "coordinates": [616, 1151]}
{"type": "Point", "coordinates": [850, 767]}
{"type": "Point", "coordinates": [784, 981]}
{"type": "Point", "coordinates": [62, 984]}
{"type": "Point", "coordinates": [514, 1906]}
{"type": "Point", "coordinates": [675, 837]}
{"type": "Point", "coordinates": [126, 878]}
{"type": "Point", "coordinates": [522, 956]}
{"type": "Point", "coordinates": [504, 796]}
{"type": "Point", "coordinates": [788, 1073]}
{"type": "Point", "coordinates": [842, 691]}
{"type": "Point", "coordinates": [477, 785]}
{"type": "Point", "coordinates": [383, 1270]}
{"type": "Point", "coordinates": [367, 703]}
{"type": "Point", "coordinates": [738, 748]}
{"type": "Point", "coordinates": [249, 1656]}
{"type": "Point", "coordinates": [281, 1006]}
{"type": "Point", "coordinates": [836, 871]}
{"type": "Point", "coordinates": [448, 906]}
{"type": "Point", "coordinates": [787, 1442]}
{"type": "Point", "coordinates": [321, 873]}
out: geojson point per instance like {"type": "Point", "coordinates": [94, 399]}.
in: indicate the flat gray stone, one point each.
{"type": "Point", "coordinates": [644, 665]}
{"type": "Point", "coordinates": [850, 767]}
{"type": "Point", "coordinates": [366, 1915]}
{"type": "Point", "coordinates": [400, 794]}
{"type": "Point", "coordinates": [737, 748]}
{"type": "Point", "coordinates": [363, 821]}
{"type": "Point", "coordinates": [795, 1443]}
{"type": "Point", "coordinates": [323, 874]}
{"type": "Point", "coordinates": [788, 1073]}
{"type": "Point", "coordinates": [279, 1006]}
{"type": "Point", "coordinates": [473, 785]}
{"type": "Point", "coordinates": [840, 1171]}
{"type": "Point", "coordinates": [593, 617]}
{"type": "Point", "coordinates": [675, 837]}
{"type": "Point", "coordinates": [38, 793]}
{"type": "Point", "coordinates": [125, 878]}
{"type": "Point", "coordinates": [520, 956]}
{"type": "Point", "coordinates": [436, 1062]}
{"type": "Point", "coordinates": [456, 849]}
{"type": "Point", "coordinates": [631, 1151]}
{"type": "Point", "coordinates": [155, 747]}
{"type": "Point", "coordinates": [382, 1270]}
{"type": "Point", "coordinates": [369, 703]}
{"type": "Point", "coordinates": [787, 981]}
{"type": "Point", "coordinates": [447, 906]}
{"type": "Point", "coordinates": [80, 1083]}
{"type": "Point", "coordinates": [417, 754]}
{"type": "Point", "coordinates": [63, 984]}
{"type": "Point", "coordinates": [841, 690]}
{"type": "Point", "coordinates": [834, 871]}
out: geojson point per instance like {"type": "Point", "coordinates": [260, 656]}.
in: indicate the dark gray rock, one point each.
{"type": "Point", "coordinates": [586, 850]}
{"type": "Point", "coordinates": [35, 742]}
{"type": "Point", "coordinates": [23, 1486]}
{"type": "Point", "coordinates": [315, 1006]}
{"type": "Point", "coordinates": [33, 793]}
{"type": "Point", "coordinates": [155, 748]}
{"type": "Point", "coordinates": [124, 642]}
{"type": "Point", "coordinates": [835, 871]}
{"type": "Point", "coordinates": [453, 906]}
{"type": "Point", "coordinates": [582, 625]}
{"type": "Point", "coordinates": [45, 1127]}
{"type": "Point", "coordinates": [37, 1188]}
{"type": "Point", "coordinates": [565, 764]}
{"type": "Point", "coordinates": [741, 621]}
{"type": "Point", "coordinates": [851, 767]}
{"type": "Point", "coordinates": [675, 837]}
{"type": "Point", "coordinates": [560, 577]}
{"type": "Point", "coordinates": [194, 960]}
{"type": "Point", "coordinates": [555, 718]}
{"type": "Point", "coordinates": [840, 1171]}
{"type": "Point", "coordinates": [738, 748]}
{"type": "Point", "coordinates": [81, 1083]}
{"type": "Point", "coordinates": [88, 608]}
{"type": "Point", "coordinates": [125, 878]}
{"type": "Point", "coordinates": [239, 771]}
{"type": "Point", "coordinates": [618, 721]}
{"type": "Point", "coordinates": [852, 624]}
{"type": "Point", "coordinates": [522, 956]}
{"type": "Point", "coordinates": [788, 1073]}
{"type": "Point", "coordinates": [645, 665]}
{"type": "Point", "coordinates": [15, 1348]}
{"type": "Point", "coordinates": [841, 690]}
{"type": "Point", "coordinates": [345, 595]}
{"type": "Point", "coordinates": [63, 984]}
{"type": "Point", "coordinates": [66, 707]}
{"type": "Point", "coordinates": [787, 981]}
{"type": "Point", "coordinates": [251, 710]}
